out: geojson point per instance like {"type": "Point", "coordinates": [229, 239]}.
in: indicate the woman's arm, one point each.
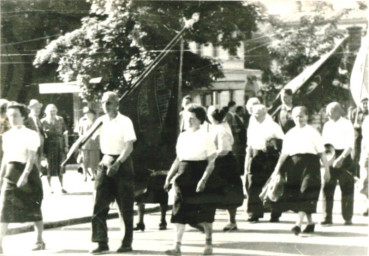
{"type": "Point", "coordinates": [247, 160]}
{"type": "Point", "coordinates": [281, 160]}
{"type": "Point", "coordinates": [2, 169]}
{"type": "Point", "coordinates": [172, 172]}
{"type": "Point", "coordinates": [326, 175]}
{"type": "Point", "coordinates": [208, 171]}
{"type": "Point", "coordinates": [27, 169]}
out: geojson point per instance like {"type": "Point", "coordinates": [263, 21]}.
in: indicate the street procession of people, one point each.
{"type": "Point", "coordinates": [285, 165]}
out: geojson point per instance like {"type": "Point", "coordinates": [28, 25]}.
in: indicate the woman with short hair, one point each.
{"type": "Point", "coordinates": [56, 143]}
{"type": "Point", "coordinates": [225, 166]}
{"type": "Point", "coordinates": [190, 171]}
{"type": "Point", "coordinates": [21, 188]}
{"type": "Point", "coordinates": [299, 160]}
{"type": "Point", "coordinates": [91, 149]}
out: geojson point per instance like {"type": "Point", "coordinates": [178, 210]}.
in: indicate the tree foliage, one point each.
{"type": "Point", "coordinates": [119, 38]}
{"type": "Point", "coordinates": [26, 26]}
{"type": "Point", "coordinates": [293, 49]}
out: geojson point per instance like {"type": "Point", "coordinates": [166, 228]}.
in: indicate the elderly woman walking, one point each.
{"type": "Point", "coordinates": [56, 143]}
{"type": "Point", "coordinates": [191, 170]}
{"type": "Point", "coordinates": [299, 160]}
{"type": "Point", "coordinates": [21, 187]}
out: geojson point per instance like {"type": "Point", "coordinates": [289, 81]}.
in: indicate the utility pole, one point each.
{"type": "Point", "coordinates": [180, 73]}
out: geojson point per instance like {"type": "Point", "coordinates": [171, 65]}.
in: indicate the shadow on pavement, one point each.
{"type": "Point", "coordinates": [287, 248]}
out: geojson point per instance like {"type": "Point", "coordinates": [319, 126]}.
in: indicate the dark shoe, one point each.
{"type": "Point", "coordinates": [326, 223]}
{"type": "Point", "coordinates": [39, 246]}
{"type": "Point", "coordinates": [274, 220]}
{"type": "Point", "coordinates": [348, 223]}
{"type": "Point", "coordinates": [365, 213]}
{"type": "Point", "coordinates": [198, 227]}
{"type": "Point", "coordinates": [64, 191]}
{"type": "Point", "coordinates": [253, 220]}
{"type": "Point", "coordinates": [296, 230]}
{"type": "Point", "coordinates": [139, 226]}
{"type": "Point", "coordinates": [162, 226]}
{"type": "Point", "coordinates": [124, 249]}
{"type": "Point", "coordinates": [101, 248]}
{"type": "Point", "coordinates": [174, 252]}
{"type": "Point", "coordinates": [309, 228]}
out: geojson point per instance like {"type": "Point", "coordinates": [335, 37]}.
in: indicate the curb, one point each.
{"type": "Point", "coordinates": [74, 221]}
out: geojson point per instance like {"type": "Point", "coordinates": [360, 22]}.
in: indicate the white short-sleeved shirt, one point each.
{"type": "Point", "coordinates": [17, 142]}
{"type": "Point", "coordinates": [222, 136]}
{"type": "Point", "coordinates": [115, 133]}
{"type": "Point", "coordinates": [340, 134]}
{"type": "Point", "coordinates": [305, 140]}
{"type": "Point", "coordinates": [195, 146]}
{"type": "Point", "coordinates": [259, 133]}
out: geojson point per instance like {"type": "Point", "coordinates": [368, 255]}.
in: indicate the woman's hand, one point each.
{"type": "Point", "coordinates": [23, 179]}
{"type": "Point", "coordinates": [200, 186]}
{"type": "Point", "coordinates": [167, 185]}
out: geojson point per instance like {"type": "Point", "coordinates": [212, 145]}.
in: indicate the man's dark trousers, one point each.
{"type": "Point", "coordinates": [344, 176]}
{"type": "Point", "coordinates": [120, 188]}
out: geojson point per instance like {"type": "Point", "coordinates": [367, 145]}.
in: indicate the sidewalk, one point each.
{"type": "Point", "coordinates": [75, 207]}
{"type": "Point", "coordinates": [260, 239]}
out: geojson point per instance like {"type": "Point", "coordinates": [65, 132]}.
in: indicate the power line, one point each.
{"type": "Point", "coordinates": [31, 40]}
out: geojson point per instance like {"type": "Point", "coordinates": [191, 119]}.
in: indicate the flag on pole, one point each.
{"type": "Point", "coordinates": [359, 85]}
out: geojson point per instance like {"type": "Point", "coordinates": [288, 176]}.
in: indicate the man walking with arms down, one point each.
{"type": "Point", "coordinates": [339, 132]}
{"type": "Point", "coordinates": [115, 177]}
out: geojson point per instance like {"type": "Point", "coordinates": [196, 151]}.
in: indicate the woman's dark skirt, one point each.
{"type": "Point", "coordinates": [20, 204]}
{"type": "Point", "coordinates": [54, 147]}
{"type": "Point", "coordinates": [262, 166]}
{"type": "Point", "coordinates": [189, 206]}
{"type": "Point", "coordinates": [303, 183]}
{"type": "Point", "coordinates": [227, 175]}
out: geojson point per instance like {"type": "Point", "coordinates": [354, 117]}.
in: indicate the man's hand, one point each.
{"type": "Point", "coordinates": [113, 169]}
{"type": "Point", "coordinates": [338, 162]}
{"type": "Point", "coordinates": [200, 186]}
{"type": "Point", "coordinates": [23, 179]}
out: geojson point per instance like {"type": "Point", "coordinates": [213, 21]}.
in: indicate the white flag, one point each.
{"type": "Point", "coordinates": [359, 76]}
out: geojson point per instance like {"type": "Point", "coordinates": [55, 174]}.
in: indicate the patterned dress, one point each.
{"type": "Point", "coordinates": [54, 143]}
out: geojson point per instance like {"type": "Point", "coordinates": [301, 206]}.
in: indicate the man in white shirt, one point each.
{"type": "Point", "coordinates": [283, 117]}
{"type": "Point", "coordinates": [261, 158]}
{"type": "Point", "coordinates": [115, 177]}
{"type": "Point", "coordinates": [186, 101]}
{"type": "Point", "coordinates": [339, 132]}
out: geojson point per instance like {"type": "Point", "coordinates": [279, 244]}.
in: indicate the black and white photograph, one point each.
{"type": "Point", "coordinates": [198, 127]}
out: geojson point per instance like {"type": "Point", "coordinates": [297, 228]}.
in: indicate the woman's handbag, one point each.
{"type": "Point", "coordinates": [273, 189]}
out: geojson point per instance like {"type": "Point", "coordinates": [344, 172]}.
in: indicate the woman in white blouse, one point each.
{"type": "Point", "coordinates": [302, 148]}
{"type": "Point", "coordinates": [193, 203]}
{"type": "Point", "coordinates": [21, 187]}
{"type": "Point", "coordinates": [225, 169]}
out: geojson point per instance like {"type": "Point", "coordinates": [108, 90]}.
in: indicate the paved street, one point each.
{"type": "Point", "coordinates": [251, 239]}
{"type": "Point", "coordinates": [263, 238]}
